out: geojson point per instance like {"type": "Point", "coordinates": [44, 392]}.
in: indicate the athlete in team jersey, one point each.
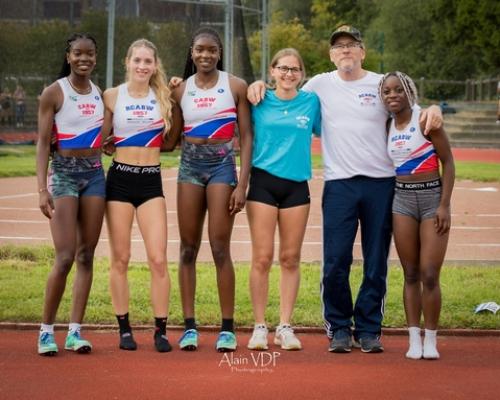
{"type": "Point", "coordinates": [72, 196]}
{"type": "Point", "coordinates": [212, 103]}
{"type": "Point", "coordinates": [139, 114]}
{"type": "Point", "coordinates": [278, 196]}
{"type": "Point", "coordinates": [421, 208]}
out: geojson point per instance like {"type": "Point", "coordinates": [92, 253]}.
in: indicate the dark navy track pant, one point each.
{"type": "Point", "coordinates": [347, 202]}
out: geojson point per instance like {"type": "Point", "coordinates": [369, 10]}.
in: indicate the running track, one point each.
{"type": "Point", "coordinates": [475, 234]}
{"type": "Point", "coordinates": [468, 369]}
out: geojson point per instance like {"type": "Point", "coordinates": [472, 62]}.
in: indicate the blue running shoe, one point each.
{"type": "Point", "coordinates": [75, 343]}
{"type": "Point", "coordinates": [189, 340]}
{"type": "Point", "coordinates": [47, 345]}
{"type": "Point", "coordinates": [226, 342]}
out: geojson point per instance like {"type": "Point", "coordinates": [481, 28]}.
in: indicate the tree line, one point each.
{"type": "Point", "coordinates": [435, 39]}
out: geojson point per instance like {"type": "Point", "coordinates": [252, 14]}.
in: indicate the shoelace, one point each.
{"type": "Point", "coordinates": [286, 331]}
{"type": "Point", "coordinates": [46, 338]}
{"type": "Point", "coordinates": [225, 337]}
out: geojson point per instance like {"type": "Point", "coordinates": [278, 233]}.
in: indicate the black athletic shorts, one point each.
{"type": "Point", "coordinates": [133, 184]}
{"type": "Point", "coordinates": [278, 192]}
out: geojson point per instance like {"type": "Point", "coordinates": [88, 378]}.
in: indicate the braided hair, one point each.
{"type": "Point", "coordinates": [407, 83]}
{"type": "Point", "coordinates": [66, 68]}
{"type": "Point", "coordinates": [190, 68]}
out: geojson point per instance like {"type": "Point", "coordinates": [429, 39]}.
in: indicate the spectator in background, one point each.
{"type": "Point", "coordinates": [6, 109]}
{"type": "Point", "coordinates": [20, 101]}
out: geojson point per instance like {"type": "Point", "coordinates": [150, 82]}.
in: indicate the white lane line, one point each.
{"type": "Point", "coordinates": [481, 189]}
{"type": "Point", "coordinates": [20, 209]}
{"type": "Point", "coordinates": [25, 221]}
{"type": "Point", "coordinates": [29, 221]}
{"type": "Point", "coordinates": [246, 242]}
{"type": "Point", "coordinates": [16, 196]}
{"type": "Point", "coordinates": [23, 238]}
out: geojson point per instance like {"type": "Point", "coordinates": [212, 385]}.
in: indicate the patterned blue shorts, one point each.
{"type": "Point", "coordinates": [205, 164]}
{"type": "Point", "coordinates": [76, 177]}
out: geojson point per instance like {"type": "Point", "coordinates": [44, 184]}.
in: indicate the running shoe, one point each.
{"type": "Point", "coordinates": [189, 340]}
{"type": "Point", "coordinates": [258, 341]}
{"type": "Point", "coordinates": [127, 341]}
{"type": "Point", "coordinates": [341, 341]}
{"type": "Point", "coordinates": [162, 344]}
{"type": "Point", "coordinates": [226, 342]}
{"type": "Point", "coordinates": [286, 338]}
{"type": "Point", "coordinates": [371, 344]}
{"type": "Point", "coordinates": [47, 345]}
{"type": "Point", "coordinates": [75, 343]}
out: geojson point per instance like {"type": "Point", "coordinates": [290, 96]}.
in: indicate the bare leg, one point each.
{"type": "Point", "coordinates": [432, 252]}
{"type": "Point", "coordinates": [407, 241]}
{"type": "Point", "coordinates": [406, 238]}
{"type": "Point", "coordinates": [63, 228]}
{"type": "Point", "coordinates": [152, 220]}
{"type": "Point", "coordinates": [191, 209]}
{"type": "Point", "coordinates": [119, 217]}
{"type": "Point", "coordinates": [292, 226]}
{"type": "Point", "coordinates": [262, 219]}
{"type": "Point", "coordinates": [220, 226]}
{"type": "Point", "coordinates": [90, 218]}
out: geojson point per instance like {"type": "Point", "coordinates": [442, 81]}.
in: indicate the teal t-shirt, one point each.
{"type": "Point", "coordinates": [283, 132]}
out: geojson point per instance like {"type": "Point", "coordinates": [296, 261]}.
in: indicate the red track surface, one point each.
{"type": "Point", "coordinates": [468, 369]}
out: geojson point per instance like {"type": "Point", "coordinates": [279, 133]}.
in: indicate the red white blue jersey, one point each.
{"type": "Point", "coordinates": [137, 122]}
{"type": "Point", "coordinates": [411, 152]}
{"type": "Point", "coordinates": [211, 113]}
{"type": "Point", "coordinates": [78, 123]}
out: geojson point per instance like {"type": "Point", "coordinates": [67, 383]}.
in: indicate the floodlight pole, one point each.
{"type": "Point", "coordinates": [264, 43]}
{"type": "Point", "coordinates": [228, 36]}
{"type": "Point", "coordinates": [110, 44]}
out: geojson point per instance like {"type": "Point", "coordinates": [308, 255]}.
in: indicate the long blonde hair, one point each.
{"type": "Point", "coordinates": [158, 81]}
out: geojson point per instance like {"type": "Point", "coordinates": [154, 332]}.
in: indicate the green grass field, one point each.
{"type": "Point", "coordinates": [20, 161]}
{"type": "Point", "coordinates": [24, 270]}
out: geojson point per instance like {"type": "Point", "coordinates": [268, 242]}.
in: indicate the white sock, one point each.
{"type": "Point", "coordinates": [74, 327]}
{"type": "Point", "coordinates": [415, 350]}
{"type": "Point", "coordinates": [47, 328]}
{"type": "Point", "coordinates": [430, 345]}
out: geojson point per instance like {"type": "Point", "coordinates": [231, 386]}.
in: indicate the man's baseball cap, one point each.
{"type": "Point", "coordinates": [346, 30]}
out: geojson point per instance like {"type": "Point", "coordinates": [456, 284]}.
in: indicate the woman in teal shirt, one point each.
{"type": "Point", "coordinates": [279, 193]}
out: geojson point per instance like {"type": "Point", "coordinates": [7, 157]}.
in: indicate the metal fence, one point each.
{"type": "Point", "coordinates": [468, 90]}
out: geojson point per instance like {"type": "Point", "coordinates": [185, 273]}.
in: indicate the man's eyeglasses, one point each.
{"type": "Point", "coordinates": [284, 69]}
{"type": "Point", "coordinates": [349, 46]}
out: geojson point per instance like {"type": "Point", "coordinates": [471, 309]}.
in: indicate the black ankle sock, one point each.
{"type": "Point", "coordinates": [227, 324]}
{"type": "Point", "coordinates": [189, 323]}
{"type": "Point", "coordinates": [124, 324]}
{"type": "Point", "coordinates": [161, 325]}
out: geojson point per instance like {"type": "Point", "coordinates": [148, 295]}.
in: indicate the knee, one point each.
{"type": "Point", "coordinates": [412, 276]}
{"type": "Point", "coordinates": [85, 257]}
{"type": "Point", "coordinates": [289, 260]}
{"type": "Point", "coordinates": [188, 254]}
{"type": "Point", "coordinates": [430, 281]}
{"type": "Point", "coordinates": [64, 262]}
{"type": "Point", "coordinates": [262, 263]}
{"type": "Point", "coordinates": [158, 265]}
{"type": "Point", "coordinates": [119, 264]}
{"type": "Point", "coordinates": [220, 253]}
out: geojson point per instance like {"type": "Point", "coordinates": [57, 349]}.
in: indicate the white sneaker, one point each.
{"type": "Point", "coordinates": [258, 341]}
{"type": "Point", "coordinates": [286, 338]}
